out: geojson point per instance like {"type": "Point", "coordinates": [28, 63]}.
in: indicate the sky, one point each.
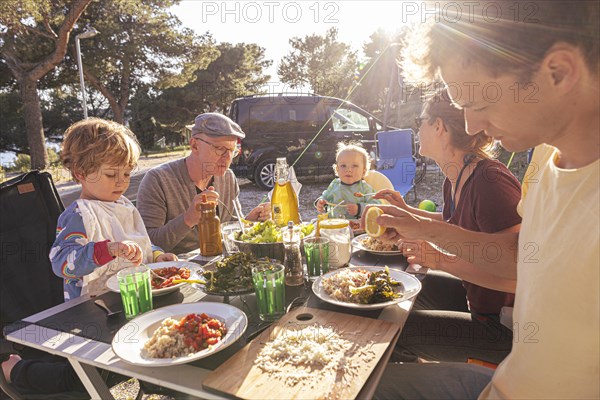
{"type": "Point", "coordinates": [271, 24]}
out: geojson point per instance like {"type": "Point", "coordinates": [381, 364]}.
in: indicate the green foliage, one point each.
{"type": "Point", "coordinates": [22, 163]}
{"type": "Point", "coordinates": [33, 41]}
{"type": "Point", "coordinates": [59, 110]}
{"type": "Point", "coordinates": [140, 43]}
{"type": "Point", "coordinates": [12, 124]}
{"type": "Point", "coordinates": [322, 62]}
{"type": "Point", "coordinates": [379, 79]}
{"type": "Point", "coordinates": [237, 71]}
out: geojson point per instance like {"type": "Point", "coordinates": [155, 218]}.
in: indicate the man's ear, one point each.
{"type": "Point", "coordinates": [439, 125]}
{"type": "Point", "coordinates": [193, 145]}
{"type": "Point", "coordinates": [563, 67]}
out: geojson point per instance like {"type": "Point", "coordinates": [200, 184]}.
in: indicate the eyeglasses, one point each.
{"type": "Point", "coordinates": [219, 150]}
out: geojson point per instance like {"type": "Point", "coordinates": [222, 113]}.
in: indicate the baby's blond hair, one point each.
{"type": "Point", "coordinates": [90, 143]}
{"type": "Point", "coordinates": [349, 148]}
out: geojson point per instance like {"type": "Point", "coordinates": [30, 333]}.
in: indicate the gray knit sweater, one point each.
{"type": "Point", "coordinates": [164, 195]}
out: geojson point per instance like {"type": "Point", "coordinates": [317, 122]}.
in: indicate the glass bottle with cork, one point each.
{"type": "Point", "coordinates": [284, 201]}
{"type": "Point", "coordinates": [209, 228]}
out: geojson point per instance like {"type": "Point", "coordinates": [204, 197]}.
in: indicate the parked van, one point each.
{"type": "Point", "coordinates": [282, 125]}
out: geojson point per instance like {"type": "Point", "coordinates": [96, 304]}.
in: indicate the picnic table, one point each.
{"type": "Point", "coordinates": [80, 332]}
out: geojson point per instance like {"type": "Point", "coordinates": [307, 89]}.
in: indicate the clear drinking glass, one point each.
{"type": "Point", "coordinates": [227, 228]}
{"type": "Point", "coordinates": [269, 285]}
{"type": "Point", "coordinates": [317, 256]}
{"type": "Point", "coordinates": [136, 290]}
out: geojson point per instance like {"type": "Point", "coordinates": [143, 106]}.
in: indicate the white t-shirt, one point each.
{"type": "Point", "coordinates": [556, 325]}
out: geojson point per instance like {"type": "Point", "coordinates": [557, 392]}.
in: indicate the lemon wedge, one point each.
{"type": "Point", "coordinates": [372, 228]}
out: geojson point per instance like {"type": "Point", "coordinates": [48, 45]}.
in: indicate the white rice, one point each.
{"type": "Point", "coordinates": [338, 285]}
{"type": "Point", "coordinates": [167, 342]}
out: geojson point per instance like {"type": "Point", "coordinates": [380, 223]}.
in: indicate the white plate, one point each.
{"type": "Point", "coordinates": [130, 339]}
{"type": "Point", "coordinates": [412, 286]}
{"type": "Point", "coordinates": [113, 284]}
{"type": "Point", "coordinates": [357, 244]}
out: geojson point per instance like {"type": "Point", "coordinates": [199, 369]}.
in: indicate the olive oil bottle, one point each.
{"type": "Point", "coordinates": [284, 201]}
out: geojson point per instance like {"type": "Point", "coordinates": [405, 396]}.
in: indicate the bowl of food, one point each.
{"type": "Point", "coordinates": [264, 239]}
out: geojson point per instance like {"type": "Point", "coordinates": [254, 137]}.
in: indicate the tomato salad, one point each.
{"type": "Point", "coordinates": [164, 277]}
{"type": "Point", "coordinates": [201, 331]}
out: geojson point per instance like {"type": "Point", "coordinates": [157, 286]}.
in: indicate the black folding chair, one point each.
{"type": "Point", "coordinates": [29, 210]}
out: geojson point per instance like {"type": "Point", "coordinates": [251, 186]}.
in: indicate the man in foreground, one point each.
{"type": "Point", "coordinates": [528, 82]}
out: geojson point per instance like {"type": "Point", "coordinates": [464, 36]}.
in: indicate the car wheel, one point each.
{"type": "Point", "coordinates": [264, 174]}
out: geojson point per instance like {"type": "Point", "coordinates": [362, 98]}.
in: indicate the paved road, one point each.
{"type": "Point", "coordinates": [69, 193]}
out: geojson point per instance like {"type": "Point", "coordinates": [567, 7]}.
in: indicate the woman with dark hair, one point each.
{"type": "Point", "coordinates": [454, 319]}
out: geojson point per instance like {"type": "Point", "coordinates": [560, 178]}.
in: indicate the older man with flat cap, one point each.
{"type": "Point", "coordinates": [168, 194]}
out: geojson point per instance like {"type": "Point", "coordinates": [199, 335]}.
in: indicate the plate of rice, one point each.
{"type": "Point", "coordinates": [169, 335]}
{"type": "Point", "coordinates": [348, 287]}
{"type": "Point", "coordinates": [375, 246]}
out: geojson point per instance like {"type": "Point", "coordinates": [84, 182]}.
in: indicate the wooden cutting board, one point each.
{"type": "Point", "coordinates": [240, 377]}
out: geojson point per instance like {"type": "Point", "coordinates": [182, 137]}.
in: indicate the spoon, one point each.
{"type": "Point", "coordinates": [100, 303]}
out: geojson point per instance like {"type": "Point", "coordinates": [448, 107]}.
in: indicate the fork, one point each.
{"type": "Point", "coordinates": [359, 194]}
{"type": "Point", "coordinates": [238, 214]}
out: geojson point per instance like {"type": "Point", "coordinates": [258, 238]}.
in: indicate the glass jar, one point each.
{"type": "Point", "coordinates": [340, 240]}
{"type": "Point", "coordinates": [294, 270]}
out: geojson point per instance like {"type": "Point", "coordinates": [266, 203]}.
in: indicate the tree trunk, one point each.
{"type": "Point", "coordinates": [32, 113]}
{"type": "Point", "coordinates": [119, 113]}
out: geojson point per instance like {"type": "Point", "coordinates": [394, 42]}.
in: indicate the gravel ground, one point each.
{"type": "Point", "coordinates": [430, 188]}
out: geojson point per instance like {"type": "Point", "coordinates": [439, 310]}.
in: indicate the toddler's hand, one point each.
{"type": "Point", "coordinates": [126, 249]}
{"type": "Point", "coordinates": [166, 257]}
{"type": "Point", "coordinates": [321, 205]}
{"type": "Point", "coordinates": [352, 209]}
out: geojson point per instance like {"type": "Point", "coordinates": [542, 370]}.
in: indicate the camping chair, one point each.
{"type": "Point", "coordinates": [395, 158]}
{"type": "Point", "coordinates": [30, 207]}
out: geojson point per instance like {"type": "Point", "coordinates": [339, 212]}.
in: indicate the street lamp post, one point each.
{"type": "Point", "coordinates": [89, 33]}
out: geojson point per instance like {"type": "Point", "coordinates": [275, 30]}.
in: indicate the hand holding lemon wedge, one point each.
{"type": "Point", "coordinates": [372, 228]}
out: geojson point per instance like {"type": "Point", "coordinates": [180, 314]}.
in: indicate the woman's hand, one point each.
{"type": "Point", "coordinates": [391, 196]}
{"type": "Point", "coordinates": [166, 257]}
{"type": "Point", "coordinates": [400, 223]}
{"type": "Point", "coordinates": [321, 205]}
{"type": "Point", "coordinates": [261, 212]}
{"type": "Point", "coordinates": [192, 216]}
{"type": "Point", "coordinates": [127, 249]}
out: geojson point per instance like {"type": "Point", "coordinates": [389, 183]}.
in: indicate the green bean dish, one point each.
{"type": "Point", "coordinates": [233, 274]}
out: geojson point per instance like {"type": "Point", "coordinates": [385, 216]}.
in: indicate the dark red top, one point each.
{"type": "Point", "coordinates": [488, 203]}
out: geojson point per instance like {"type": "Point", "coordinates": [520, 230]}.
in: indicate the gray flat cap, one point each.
{"type": "Point", "coordinates": [215, 124]}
